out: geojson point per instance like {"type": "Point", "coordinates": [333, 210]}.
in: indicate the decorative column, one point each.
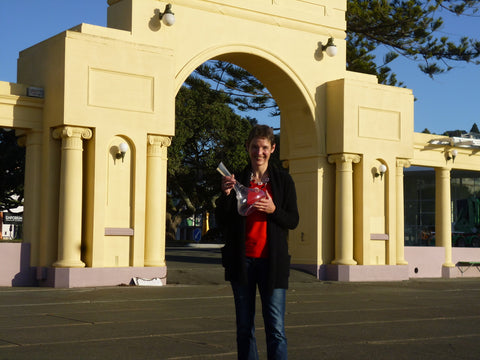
{"type": "Point", "coordinates": [400, 200]}
{"type": "Point", "coordinates": [32, 140]}
{"type": "Point", "coordinates": [156, 199]}
{"type": "Point", "coordinates": [344, 207]}
{"type": "Point", "coordinates": [443, 221]}
{"type": "Point", "coordinates": [70, 203]}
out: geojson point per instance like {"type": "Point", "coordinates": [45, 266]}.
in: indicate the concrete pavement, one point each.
{"type": "Point", "coordinates": [193, 318]}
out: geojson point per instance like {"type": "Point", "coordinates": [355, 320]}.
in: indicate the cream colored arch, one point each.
{"type": "Point", "coordinates": [296, 103]}
{"type": "Point", "coordinates": [247, 49]}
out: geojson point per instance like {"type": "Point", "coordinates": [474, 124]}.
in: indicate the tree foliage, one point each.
{"type": "Point", "coordinates": [454, 133]}
{"type": "Point", "coordinates": [207, 132]}
{"type": "Point", "coordinates": [408, 28]}
{"type": "Point", "coordinates": [242, 90]}
{"type": "Point", "coordinates": [12, 165]}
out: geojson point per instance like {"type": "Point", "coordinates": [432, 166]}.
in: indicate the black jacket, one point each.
{"type": "Point", "coordinates": [284, 218]}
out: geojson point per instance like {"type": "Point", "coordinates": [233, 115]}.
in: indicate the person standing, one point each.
{"type": "Point", "coordinates": [256, 249]}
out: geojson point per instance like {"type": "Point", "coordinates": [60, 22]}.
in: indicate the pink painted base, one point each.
{"type": "Point", "coordinates": [87, 277]}
{"type": "Point", "coordinates": [15, 270]}
{"type": "Point", "coordinates": [423, 262]}
{"type": "Point", "coordinates": [427, 262]}
{"type": "Point", "coordinates": [15, 267]}
{"type": "Point", "coordinates": [356, 272]}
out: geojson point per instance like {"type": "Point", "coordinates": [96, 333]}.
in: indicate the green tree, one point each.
{"type": "Point", "coordinates": [407, 28]}
{"type": "Point", "coordinates": [243, 90]}
{"type": "Point", "coordinates": [454, 133]}
{"type": "Point", "coordinates": [207, 132]}
{"type": "Point", "coordinates": [474, 129]}
{"type": "Point", "coordinates": [12, 165]}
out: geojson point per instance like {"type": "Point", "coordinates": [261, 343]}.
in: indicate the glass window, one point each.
{"type": "Point", "coordinates": [419, 192]}
{"type": "Point", "coordinates": [419, 204]}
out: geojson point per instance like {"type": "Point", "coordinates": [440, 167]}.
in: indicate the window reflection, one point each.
{"type": "Point", "coordinates": [419, 204]}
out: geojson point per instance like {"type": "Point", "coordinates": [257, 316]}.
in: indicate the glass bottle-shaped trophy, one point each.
{"type": "Point", "coordinates": [246, 197]}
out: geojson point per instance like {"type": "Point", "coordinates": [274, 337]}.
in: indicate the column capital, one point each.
{"type": "Point", "coordinates": [443, 169]}
{"type": "Point", "coordinates": [443, 172]}
{"type": "Point", "coordinates": [22, 140]}
{"type": "Point", "coordinates": [29, 137]}
{"type": "Point", "coordinates": [343, 158]}
{"type": "Point", "coordinates": [401, 164]}
{"type": "Point", "coordinates": [163, 141]}
{"type": "Point", "coordinates": [65, 132]}
{"type": "Point", "coordinates": [157, 145]}
{"type": "Point", "coordinates": [404, 163]}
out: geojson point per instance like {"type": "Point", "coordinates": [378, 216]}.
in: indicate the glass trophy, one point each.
{"type": "Point", "coordinates": [246, 197]}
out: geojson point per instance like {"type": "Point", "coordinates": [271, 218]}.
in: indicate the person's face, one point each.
{"type": "Point", "coordinates": [259, 151]}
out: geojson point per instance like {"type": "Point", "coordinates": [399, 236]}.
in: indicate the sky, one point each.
{"type": "Point", "coordinates": [448, 102]}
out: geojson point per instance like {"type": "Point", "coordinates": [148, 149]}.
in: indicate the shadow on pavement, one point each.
{"type": "Point", "coordinates": [203, 266]}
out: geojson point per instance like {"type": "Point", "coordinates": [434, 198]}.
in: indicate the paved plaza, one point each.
{"type": "Point", "coordinates": [193, 318]}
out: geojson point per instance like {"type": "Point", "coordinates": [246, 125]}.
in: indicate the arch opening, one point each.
{"type": "Point", "coordinates": [297, 123]}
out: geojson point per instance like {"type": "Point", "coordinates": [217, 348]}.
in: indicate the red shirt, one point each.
{"type": "Point", "coordinates": [256, 233]}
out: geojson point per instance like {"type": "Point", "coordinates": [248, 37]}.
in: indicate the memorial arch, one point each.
{"type": "Point", "coordinates": [96, 107]}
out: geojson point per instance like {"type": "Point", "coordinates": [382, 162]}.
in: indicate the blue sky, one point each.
{"type": "Point", "coordinates": [448, 102]}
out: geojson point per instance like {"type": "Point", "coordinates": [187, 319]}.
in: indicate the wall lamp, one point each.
{"type": "Point", "coordinates": [451, 155]}
{"type": "Point", "coordinates": [122, 150]}
{"type": "Point", "coordinates": [382, 169]}
{"type": "Point", "coordinates": [167, 16]}
{"type": "Point", "coordinates": [330, 48]}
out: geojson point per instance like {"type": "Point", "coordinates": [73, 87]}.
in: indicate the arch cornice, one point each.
{"type": "Point", "coordinates": [304, 16]}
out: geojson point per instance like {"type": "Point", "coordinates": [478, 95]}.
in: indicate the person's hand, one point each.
{"type": "Point", "coordinates": [227, 184]}
{"type": "Point", "coordinates": [265, 205]}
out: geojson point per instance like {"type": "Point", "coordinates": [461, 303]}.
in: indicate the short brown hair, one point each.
{"type": "Point", "coordinates": [261, 131]}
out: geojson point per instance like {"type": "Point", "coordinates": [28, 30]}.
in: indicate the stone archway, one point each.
{"type": "Point", "coordinates": [284, 58]}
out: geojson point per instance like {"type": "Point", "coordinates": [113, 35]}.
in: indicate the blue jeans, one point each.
{"type": "Point", "coordinates": [273, 311]}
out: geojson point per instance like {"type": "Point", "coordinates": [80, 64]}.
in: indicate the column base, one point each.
{"type": "Point", "coordinates": [68, 264]}
{"type": "Point", "coordinates": [154, 263]}
{"type": "Point", "coordinates": [402, 262]}
{"type": "Point", "coordinates": [344, 262]}
{"type": "Point", "coordinates": [449, 272]}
